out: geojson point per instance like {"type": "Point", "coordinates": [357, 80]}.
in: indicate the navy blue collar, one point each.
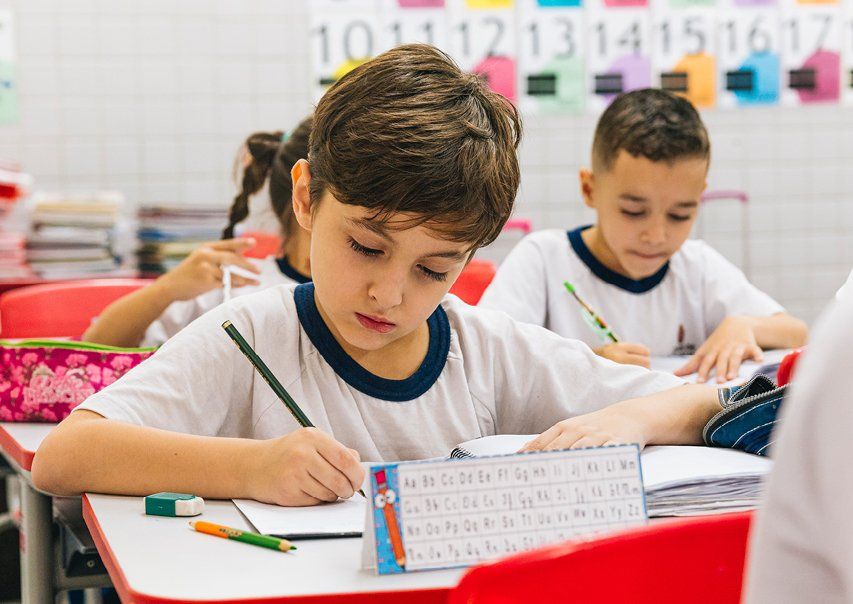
{"type": "Point", "coordinates": [357, 376]}
{"type": "Point", "coordinates": [288, 271]}
{"type": "Point", "coordinates": [638, 286]}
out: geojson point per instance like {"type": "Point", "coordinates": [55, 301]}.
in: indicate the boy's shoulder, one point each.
{"type": "Point", "coordinates": [548, 238]}
{"type": "Point", "coordinates": [696, 254]}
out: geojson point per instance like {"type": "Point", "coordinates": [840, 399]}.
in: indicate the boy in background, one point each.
{"type": "Point", "coordinates": [660, 292]}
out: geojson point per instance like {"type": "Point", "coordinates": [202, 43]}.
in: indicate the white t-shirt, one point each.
{"type": "Point", "coordinates": [274, 271]}
{"type": "Point", "coordinates": [802, 544]}
{"type": "Point", "coordinates": [670, 312]}
{"type": "Point", "coordinates": [483, 374]}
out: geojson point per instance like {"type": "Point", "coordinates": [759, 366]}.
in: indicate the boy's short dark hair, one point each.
{"type": "Point", "coordinates": [651, 123]}
{"type": "Point", "coordinates": [410, 132]}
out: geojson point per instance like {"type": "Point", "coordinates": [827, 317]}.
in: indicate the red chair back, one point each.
{"type": "Point", "coordinates": [787, 365]}
{"type": "Point", "coordinates": [473, 280]}
{"type": "Point", "coordinates": [694, 560]}
{"type": "Point", "coordinates": [59, 310]}
{"type": "Point", "coordinates": [266, 244]}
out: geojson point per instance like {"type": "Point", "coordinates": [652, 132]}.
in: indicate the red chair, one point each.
{"type": "Point", "coordinates": [787, 365]}
{"type": "Point", "coordinates": [694, 560]}
{"type": "Point", "coordinates": [59, 310]}
{"type": "Point", "coordinates": [266, 244]}
{"type": "Point", "coordinates": [473, 280]}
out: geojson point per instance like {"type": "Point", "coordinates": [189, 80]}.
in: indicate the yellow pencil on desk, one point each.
{"type": "Point", "coordinates": [226, 532]}
{"type": "Point", "coordinates": [593, 316]}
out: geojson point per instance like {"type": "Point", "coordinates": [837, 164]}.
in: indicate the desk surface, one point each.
{"type": "Point", "coordinates": [154, 559]}
{"type": "Point", "coordinates": [20, 441]}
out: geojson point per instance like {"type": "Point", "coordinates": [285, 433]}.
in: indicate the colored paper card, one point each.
{"type": "Point", "coordinates": [551, 44]}
{"type": "Point", "coordinates": [420, 3]}
{"type": "Point", "coordinates": [847, 55]}
{"type": "Point", "coordinates": [413, 24]}
{"type": "Point", "coordinates": [7, 35]}
{"type": "Point", "coordinates": [489, 4]}
{"type": "Point", "coordinates": [683, 53]}
{"type": "Point", "coordinates": [449, 513]}
{"type": "Point", "coordinates": [8, 93]}
{"type": "Point", "coordinates": [748, 57]}
{"type": "Point", "coordinates": [811, 54]}
{"type": "Point", "coordinates": [344, 34]}
{"type": "Point", "coordinates": [482, 41]}
{"type": "Point", "coordinates": [618, 53]}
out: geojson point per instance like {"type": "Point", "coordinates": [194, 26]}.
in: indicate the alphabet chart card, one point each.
{"type": "Point", "coordinates": [811, 53]}
{"type": "Point", "coordinates": [618, 52]}
{"type": "Point", "coordinates": [344, 34]}
{"type": "Point", "coordinates": [447, 513]}
{"type": "Point", "coordinates": [482, 41]}
{"type": "Point", "coordinates": [748, 55]}
{"type": "Point", "coordinates": [551, 46]}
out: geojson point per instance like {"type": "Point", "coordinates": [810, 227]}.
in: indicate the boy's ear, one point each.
{"type": "Point", "coordinates": [301, 177]}
{"type": "Point", "coordinates": [587, 181]}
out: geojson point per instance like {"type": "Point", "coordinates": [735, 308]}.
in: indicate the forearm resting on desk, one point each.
{"type": "Point", "coordinates": [779, 331]}
{"type": "Point", "coordinates": [87, 453]}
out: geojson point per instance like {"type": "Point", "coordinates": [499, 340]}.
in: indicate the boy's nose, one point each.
{"type": "Point", "coordinates": [655, 233]}
{"type": "Point", "coordinates": [387, 290]}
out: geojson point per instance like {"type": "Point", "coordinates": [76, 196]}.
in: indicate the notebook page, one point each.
{"type": "Point", "coordinates": [344, 518]}
{"type": "Point", "coordinates": [665, 466]}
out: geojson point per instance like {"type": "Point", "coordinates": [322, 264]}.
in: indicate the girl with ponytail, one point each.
{"type": "Point", "coordinates": [150, 316]}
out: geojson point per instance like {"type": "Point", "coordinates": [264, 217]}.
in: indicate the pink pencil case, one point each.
{"type": "Point", "coordinates": [43, 380]}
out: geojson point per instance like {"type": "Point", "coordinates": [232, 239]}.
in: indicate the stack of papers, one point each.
{"type": "Point", "coordinates": [167, 234]}
{"type": "Point", "coordinates": [695, 481]}
{"type": "Point", "coordinates": [13, 257]}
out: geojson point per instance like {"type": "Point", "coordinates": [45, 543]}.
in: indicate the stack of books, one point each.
{"type": "Point", "coordinates": [75, 237]}
{"type": "Point", "coordinates": [167, 234]}
{"type": "Point", "coordinates": [14, 185]}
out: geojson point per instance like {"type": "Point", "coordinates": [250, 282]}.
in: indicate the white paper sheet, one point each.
{"type": "Point", "coordinates": [344, 518]}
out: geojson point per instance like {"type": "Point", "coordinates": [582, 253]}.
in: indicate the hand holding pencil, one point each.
{"type": "Point", "coordinates": [304, 467]}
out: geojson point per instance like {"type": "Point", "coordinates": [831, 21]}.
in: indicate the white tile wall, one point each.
{"type": "Point", "coordinates": [154, 98]}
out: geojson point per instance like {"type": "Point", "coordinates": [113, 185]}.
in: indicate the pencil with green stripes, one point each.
{"type": "Point", "coordinates": [594, 316]}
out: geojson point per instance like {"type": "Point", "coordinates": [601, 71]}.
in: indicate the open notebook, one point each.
{"type": "Point", "coordinates": [679, 481]}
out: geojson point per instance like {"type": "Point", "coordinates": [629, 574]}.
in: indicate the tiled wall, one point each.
{"type": "Point", "coordinates": [154, 97]}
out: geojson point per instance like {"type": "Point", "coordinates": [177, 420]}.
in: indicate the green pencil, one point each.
{"type": "Point", "coordinates": [258, 363]}
{"type": "Point", "coordinates": [592, 314]}
{"type": "Point", "coordinates": [226, 532]}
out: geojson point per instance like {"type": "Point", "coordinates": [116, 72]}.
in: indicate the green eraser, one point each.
{"type": "Point", "coordinates": [173, 504]}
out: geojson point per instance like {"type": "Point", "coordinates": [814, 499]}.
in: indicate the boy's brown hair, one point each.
{"type": "Point", "coordinates": [651, 123]}
{"type": "Point", "coordinates": [410, 132]}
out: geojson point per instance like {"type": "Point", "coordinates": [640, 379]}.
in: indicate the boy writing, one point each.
{"type": "Point", "coordinates": [661, 293]}
{"type": "Point", "coordinates": [412, 165]}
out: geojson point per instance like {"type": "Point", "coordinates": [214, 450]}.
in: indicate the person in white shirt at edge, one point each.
{"type": "Point", "coordinates": [154, 314]}
{"type": "Point", "coordinates": [801, 547]}
{"type": "Point", "coordinates": [660, 293]}
{"type": "Point", "coordinates": [413, 166]}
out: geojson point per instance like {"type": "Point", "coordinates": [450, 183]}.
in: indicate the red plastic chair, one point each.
{"type": "Point", "coordinates": [473, 280]}
{"type": "Point", "coordinates": [59, 310]}
{"type": "Point", "coordinates": [695, 560]}
{"type": "Point", "coordinates": [787, 365]}
{"type": "Point", "coordinates": [266, 244]}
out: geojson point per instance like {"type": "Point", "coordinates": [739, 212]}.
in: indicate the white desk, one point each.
{"type": "Point", "coordinates": [157, 559]}
{"type": "Point", "coordinates": [41, 574]}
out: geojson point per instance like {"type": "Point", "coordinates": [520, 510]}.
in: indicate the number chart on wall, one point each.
{"type": "Point", "coordinates": [569, 56]}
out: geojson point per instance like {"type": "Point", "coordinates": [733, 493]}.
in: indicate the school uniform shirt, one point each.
{"type": "Point", "coordinates": [274, 271]}
{"type": "Point", "coordinates": [483, 374]}
{"type": "Point", "coordinates": [670, 312]}
{"type": "Point", "coordinates": [801, 546]}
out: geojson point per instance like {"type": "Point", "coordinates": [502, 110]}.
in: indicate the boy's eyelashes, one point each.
{"type": "Point", "coordinates": [372, 253]}
{"type": "Point", "coordinates": [642, 213]}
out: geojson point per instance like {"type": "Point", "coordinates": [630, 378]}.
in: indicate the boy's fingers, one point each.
{"type": "Point", "coordinates": [721, 367]}
{"type": "Point", "coordinates": [341, 460]}
{"type": "Point", "coordinates": [637, 349]}
{"type": "Point", "coordinates": [735, 360]}
{"type": "Point", "coordinates": [754, 352]}
{"type": "Point", "coordinates": [642, 361]}
{"type": "Point", "coordinates": [690, 366]}
{"type": "Point", "coordinates": [705, 366]}
{"type": "Point", "coordinates": [316, 487]}
{"type": "Point", "coordinates": [234, 259]}
{"type": "Point", "coordinates": [543, 439]}
{"type": "Point", "coordinates": [236, 244]}
{"type": "Point", "coordinates": [590, 440]}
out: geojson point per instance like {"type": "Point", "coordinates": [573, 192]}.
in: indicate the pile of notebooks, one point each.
{"type": "Point", "coordinates": [75, 236]}
{"type": "Point", "coordinates": [167, 234]}
{"type": "Point", "coordinates": [14, 185]}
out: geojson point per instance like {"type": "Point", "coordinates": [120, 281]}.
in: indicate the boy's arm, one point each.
{"type": "Point", "coordinates": [779, 331]}
{"type": "Point", "coordinates": [124, 322]}
{"type": "Point", "coordinates": [671, 417]}
{"type": "Point", "coordinates": [88, 453]}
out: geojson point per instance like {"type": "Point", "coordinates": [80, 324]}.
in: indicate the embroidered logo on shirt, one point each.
{"type": "Point", "coordinates": [683, 348]}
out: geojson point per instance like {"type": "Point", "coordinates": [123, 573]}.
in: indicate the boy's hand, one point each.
{"type": "Point", "coordinates": [731, 343]}
{"type": "Point", "coordinates": [200, 272]}
{"type": "Point", "coordinates": [305, 467]}
{"type": "Point", "coordinates": [604, 427]}
{"type": "Point", "coordinates": [625, 353]}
